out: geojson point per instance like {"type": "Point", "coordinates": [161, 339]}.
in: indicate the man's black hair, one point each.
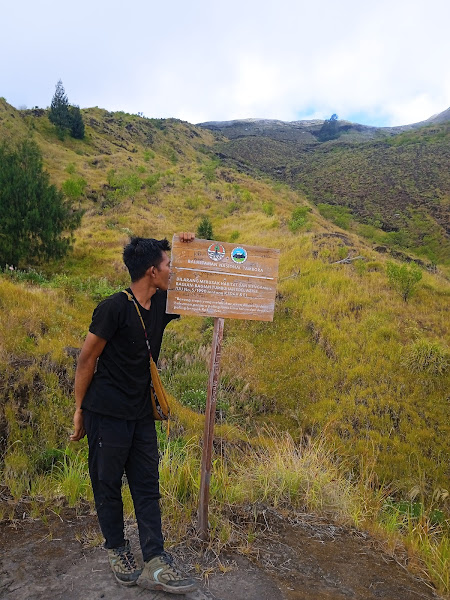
{"type": "Point", "coordinates": [142, 253]}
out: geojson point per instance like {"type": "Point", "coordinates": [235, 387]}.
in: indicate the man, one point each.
{"type": "Point", "coordinates": [113, 408]}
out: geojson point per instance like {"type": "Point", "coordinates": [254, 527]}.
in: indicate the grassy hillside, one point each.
{"type": "Point", "coordinates": [397, 186]}
{"type": "Point", "coordinates": [346, 362]}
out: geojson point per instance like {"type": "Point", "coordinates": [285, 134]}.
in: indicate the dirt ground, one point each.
{"type": "Point", "coordinates": [305, 558]}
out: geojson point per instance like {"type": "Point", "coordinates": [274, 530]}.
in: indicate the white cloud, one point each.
{"type": "Point", "coordinates": [204, 61]}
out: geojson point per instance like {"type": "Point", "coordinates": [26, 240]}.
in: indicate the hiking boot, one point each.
{"type": "Point", "coordinates": [160, 574]}
{"type": "Point", "coordinates": [123, 564]}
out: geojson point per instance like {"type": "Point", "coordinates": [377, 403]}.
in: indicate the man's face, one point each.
{"type": "Point", "coordinates": [163, 273]}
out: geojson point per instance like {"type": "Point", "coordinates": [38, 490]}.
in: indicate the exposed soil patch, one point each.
{"type": "Point", "coordinates": [312, 559]}
{"type": "Point", "coordinates": [304, 558]}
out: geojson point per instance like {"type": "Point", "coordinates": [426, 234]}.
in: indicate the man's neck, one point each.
{"type": "Point", "coordinates": [143, 292]}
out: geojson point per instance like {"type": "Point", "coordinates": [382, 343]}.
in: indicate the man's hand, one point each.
{"type": "Point", "coordinates": [187, 236]}
{"type": "Point", "coordinates": [78, 426]}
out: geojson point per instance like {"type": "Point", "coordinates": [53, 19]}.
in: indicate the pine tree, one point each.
{"type": "Point", "coordinates": [33, 214]}
{"type": "Point", "coordinates": [205, 229]}
{"type": "Point", "coordinates": [77, 123]}
{"type": "Point", "coordinates": [59, 110]}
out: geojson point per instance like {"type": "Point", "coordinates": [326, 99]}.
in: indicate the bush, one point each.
{"type": "Point", "coordinates": [339, 215]}
{"type": "Point", "coordinates": [232, 207]}
{"type": "Point", "coordinates": [151, 182]}
{"type": "Point", "coordinates": [404, 278]}
{"type": "Point", "coordinates": [74, 187]}
{"type": "Point", "coordinates": [209, 170]}
{"type": "Point", "coordinates": [268, 208]}
{"type": "Point", "coordinates": [299, 218]}
{"type": "Point", "coordinates": [192, 203]}
{"type": "Point", "coordinates": [126, 185]}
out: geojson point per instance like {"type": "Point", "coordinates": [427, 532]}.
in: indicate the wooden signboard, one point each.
{"type": "Point", "coordinates": [217, 279]}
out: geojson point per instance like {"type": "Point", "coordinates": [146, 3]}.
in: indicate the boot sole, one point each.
{"type": "Point", "coordinates": [125, 583]}
{"type": "Point", "coordinates": [148, 584]}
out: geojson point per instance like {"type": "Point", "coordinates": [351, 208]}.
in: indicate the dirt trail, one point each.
{"type": "Point", "coordinates": [304, 559]}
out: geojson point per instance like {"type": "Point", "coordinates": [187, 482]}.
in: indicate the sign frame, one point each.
{"type": "Point", "coordinates": [233, 281]}
{"type": "Point", "coordinates": [219, 279]}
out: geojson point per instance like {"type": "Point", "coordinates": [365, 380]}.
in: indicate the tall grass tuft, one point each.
{"type": "Point", "coordinates": [426, 356]}
{"type": "Point", "coordinates": [72, 478]}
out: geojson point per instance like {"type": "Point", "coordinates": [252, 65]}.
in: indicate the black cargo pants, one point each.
{"type": "Point", "coordinates": [117, 446]}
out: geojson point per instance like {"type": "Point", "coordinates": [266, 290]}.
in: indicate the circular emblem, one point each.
{"type": "Point", "coordinates": [239, 255]}
{"type": "Point", "coordinates": [216, 252]}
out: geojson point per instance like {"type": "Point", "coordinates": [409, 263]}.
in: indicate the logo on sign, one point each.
{"type": "Point", "coordinates": [216, 252]}
{"type": "Point", "coordinates": [239, 255]}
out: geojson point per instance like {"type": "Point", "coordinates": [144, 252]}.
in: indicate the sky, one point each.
{"type": "Point", "coordinates": [384, 62]}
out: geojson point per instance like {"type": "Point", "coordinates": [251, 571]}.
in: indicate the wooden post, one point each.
{"type": "Point", "coordinates": [208, 434]}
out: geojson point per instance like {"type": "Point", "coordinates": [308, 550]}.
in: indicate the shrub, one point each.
{"type": "Point", "coordinates": [246, 195]}
{"type": "Point", "coordinates": [192, 203]}
{"type": "Point", "coordinates": [209, 170]}
{"type": "Point", "coordinates": [74, 187]}
{"type": "Point", "coordinates": [151, 181]}
{"type": "Point", "coordinates": [148, 154]}
{"type": "Point", "coordinates": [404, 278]}
{"type": "Point", "coordinates": [232, 207]}
{"type": "Point", "coordinates": [339, 215]}
{"type": "Point", "coordinates": [360, 267]}
{"type": "Point", "coordinates": [124, 185]}
{"type": "Point", "coordinates": [268, 208]}
{"type": "Point", "coordinates": [299, 218]}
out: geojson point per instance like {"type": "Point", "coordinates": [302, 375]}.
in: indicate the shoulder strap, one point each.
{"type": "Point", "coordinates": [132, 299]}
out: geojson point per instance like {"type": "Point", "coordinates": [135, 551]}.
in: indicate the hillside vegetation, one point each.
{"type": "Point", "coordinates": [396, 186]}
{"type": "Point", "coordinates": [347, 364]}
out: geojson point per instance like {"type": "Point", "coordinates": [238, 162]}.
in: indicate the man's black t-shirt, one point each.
{"type": "Point", "coordinates": [120, 386]}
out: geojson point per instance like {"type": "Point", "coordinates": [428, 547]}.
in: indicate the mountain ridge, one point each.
{"type": "Point", "coordinates": [387, 178]}
{"type": "Point", "coordinates": [314, 123]}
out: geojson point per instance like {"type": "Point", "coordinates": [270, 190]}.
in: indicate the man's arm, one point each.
{"type": "Point", "coordinates": [91, 350]}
